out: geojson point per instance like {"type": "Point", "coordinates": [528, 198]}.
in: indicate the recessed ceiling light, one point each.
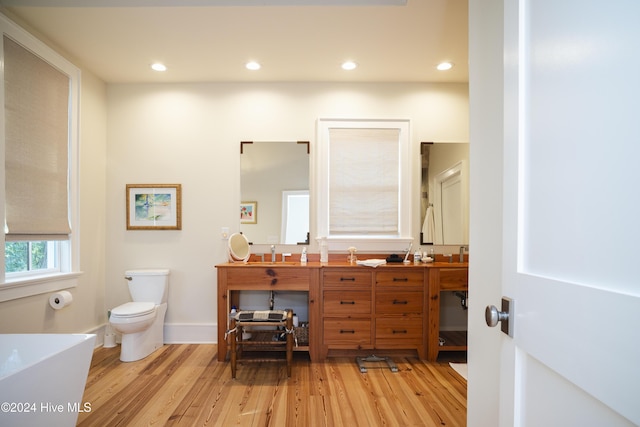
{"type": "Point", "coordinates": [444, 66]}
{"type": "Point", "coordinates": [349, 65]}
{"type": "Point", "coordinates": [252, 65]}
{"type": "Point", "coordinates": [158, 67]}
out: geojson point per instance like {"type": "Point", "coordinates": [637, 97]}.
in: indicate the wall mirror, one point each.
{"type": "Point", "coordinates": [444, 193]}
{"type": "Point", "coordinates": [274, 192]}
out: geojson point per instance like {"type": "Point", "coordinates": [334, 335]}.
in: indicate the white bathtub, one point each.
{"type": "Point", "coordinates": [42, 378]}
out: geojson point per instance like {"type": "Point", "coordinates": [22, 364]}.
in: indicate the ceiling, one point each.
{"type": "Point", "coordinates": [211, 40]}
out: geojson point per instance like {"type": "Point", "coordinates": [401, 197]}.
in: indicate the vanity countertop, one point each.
{"type": "Point", "coordinates": [339, 260]}
{"type": "Point", "coordinates": [339, 264]}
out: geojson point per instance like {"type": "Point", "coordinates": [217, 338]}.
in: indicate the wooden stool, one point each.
{"type": "Point", "coordinates": [272, 318]}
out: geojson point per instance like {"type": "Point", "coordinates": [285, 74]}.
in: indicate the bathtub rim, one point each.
{"type": "Point", "coordinates": [79, 339]}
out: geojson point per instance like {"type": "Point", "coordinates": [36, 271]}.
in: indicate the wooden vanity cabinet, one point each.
{"type": "Point", "coordinates": [399, 309]}
{"type": "Point", "coordinates": [369, 309]}
{"type": "Point", "coordinates": [233, 278]}
{"type": "Point", "coordinates": [444, 279]}
{"type": "Point", "coordinates": [346, 309]}
{"type": "Point", "coordinates": [356, 308]}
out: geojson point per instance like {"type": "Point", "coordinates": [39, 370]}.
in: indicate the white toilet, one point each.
{"type": "Point", "coordinates": [141, 322]}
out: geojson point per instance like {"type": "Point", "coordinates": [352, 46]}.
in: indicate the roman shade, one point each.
{"type": "Point", "coordinates": [363, 181]}
{"type": "Point", "coordinates": [36, 146]}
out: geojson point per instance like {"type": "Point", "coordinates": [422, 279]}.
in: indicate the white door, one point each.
{"type": "Point", "coordinates": [450, 196]}
{"type": "Point", "coordinates": [561, 237]}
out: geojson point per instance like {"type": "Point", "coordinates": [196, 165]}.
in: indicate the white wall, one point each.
{"type": "Point", "coordinates": [190, 134]}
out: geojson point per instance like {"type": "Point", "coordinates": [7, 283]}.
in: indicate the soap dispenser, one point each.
{"type": "Point", "coordinates": [303, 256]}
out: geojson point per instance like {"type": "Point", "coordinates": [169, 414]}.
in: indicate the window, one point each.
{"type": "Point", "coordinates": [28, 257]}
{"type": "Point", "coordinates": [40, 121]}
{"type": "Point", "coordinates": [295, 217]}
{"type": "Point", "coordinates": [364, 184]}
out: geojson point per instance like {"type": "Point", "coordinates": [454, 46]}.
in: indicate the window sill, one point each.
{"type": "Point", "coordinates": [26, 287]}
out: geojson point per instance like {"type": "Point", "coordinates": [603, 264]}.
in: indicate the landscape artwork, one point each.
{"type": "Point", "coordinates": [154, 207]}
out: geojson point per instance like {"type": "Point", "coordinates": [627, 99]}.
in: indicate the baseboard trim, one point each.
{"type": "Point", "coordinates": [99, 332]}
{"type": "Point", "coordinates": [190, 333]}
{"type": "Point", "coordinates": [174, 333]}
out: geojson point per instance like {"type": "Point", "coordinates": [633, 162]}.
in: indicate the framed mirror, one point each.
{"type": "Point", "coordinates": [444, 193]}
{"type": "Point", "coordinates": [274, 192]}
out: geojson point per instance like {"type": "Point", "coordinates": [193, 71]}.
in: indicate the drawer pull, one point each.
{"type": "Point", "coordinates": [348, 302]}
{"type": "Point", "coordinates": [395, 301]}
{"type": "Point", "coordinates": [400, 279]}
{"type": "Point", "coordinates": [347, 331]}
{"type": "Point", "coordinates": [402, 331]}
{"type": "Point", "coordinates": [347, 279]}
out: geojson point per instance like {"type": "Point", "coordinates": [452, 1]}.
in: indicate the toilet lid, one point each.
{"type": "Point", "coordinates": [130, 309]}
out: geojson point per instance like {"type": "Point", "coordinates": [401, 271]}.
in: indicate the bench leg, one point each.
{"type": "Point", "coordinates": [289, 326]}
{"type": "Point", "coordinates": [234, 349]}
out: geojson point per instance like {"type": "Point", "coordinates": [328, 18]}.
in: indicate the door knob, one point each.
{"type": "Point", "coordinates": [493, 316]}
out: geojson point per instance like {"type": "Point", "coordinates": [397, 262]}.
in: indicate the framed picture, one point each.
{"type": "Point", "coordinates": [249, 213]}
{"type": "Point", "coordinates": [154, 207]}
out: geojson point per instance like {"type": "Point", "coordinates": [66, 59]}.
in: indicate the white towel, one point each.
{"type": "Point", "coordinates": [371, 262]}
{"type": "Point", "coordinates": [429, 226]}
{"type": "Point", "coordinates": [261, 315]}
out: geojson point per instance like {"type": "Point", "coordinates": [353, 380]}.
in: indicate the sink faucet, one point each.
{"type": "Point", "coordinates": [462, 249]}
{"type": "Point", "coordinates": [273, 253]}
{"type": "Point", "coordinates": [284, 257]}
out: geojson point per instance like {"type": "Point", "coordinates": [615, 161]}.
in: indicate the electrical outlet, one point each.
{"type": "Point", "coordinates": [224, 233]}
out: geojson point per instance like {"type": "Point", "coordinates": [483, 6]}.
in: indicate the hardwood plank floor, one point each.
{"type": "Point", "coordinates": [185, 385]}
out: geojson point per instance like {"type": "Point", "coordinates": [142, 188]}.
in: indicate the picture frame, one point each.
{"type": "Point", "coordinates": [248, 212]}
{"type": "Point", "coordinates": [154, 206]}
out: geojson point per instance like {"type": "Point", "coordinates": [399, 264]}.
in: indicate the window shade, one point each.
{"type": "Point", "coordinates": [363, 181]}
{"type": "Point", "coordinates": [36, 146]}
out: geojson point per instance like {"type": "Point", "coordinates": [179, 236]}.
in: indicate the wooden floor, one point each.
{"type": "Point", "coordinates": [185, 385]}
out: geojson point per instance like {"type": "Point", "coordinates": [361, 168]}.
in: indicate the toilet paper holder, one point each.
{"type": "Point", "coordinates": [60, 300]}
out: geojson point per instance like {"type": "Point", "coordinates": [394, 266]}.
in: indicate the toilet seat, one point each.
{"type": "Point", "coordinates": [133, 309]}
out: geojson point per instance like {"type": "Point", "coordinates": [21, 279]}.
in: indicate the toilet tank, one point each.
{"type": "Point", "coordinates": [148, 285]}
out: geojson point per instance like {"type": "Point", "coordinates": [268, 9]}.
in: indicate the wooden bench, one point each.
{"type": "Point", "coordinates": [263, 340]}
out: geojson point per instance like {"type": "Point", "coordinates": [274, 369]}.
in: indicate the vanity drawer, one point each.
{"type": "Point", "coordinates": [351, 277]}
{"type": "Point", "coordinates": [399, 302]}
{"type": "Point", "coordinates": [454, 278]}
{"type": "Point", "coordinates": [347, 333]}
{"type": "Point", "coordinates": [346, 303]}
{"type": "Point", "coordinates": [397, 277]}
{"type": "Point", "coordinates": [397, 330]}
{"type": "Point", "coordinates": [276, 277]}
